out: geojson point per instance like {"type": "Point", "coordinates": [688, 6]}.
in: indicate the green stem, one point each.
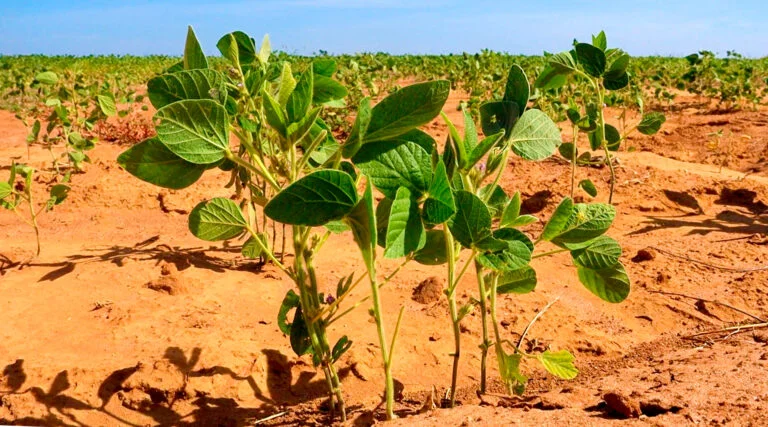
{"type": "Point", "coordinates": [556, 251]}
{"type": "Point", "coordinates": [304, 271]}
{"type": "Point", "coordinates": [573, 159]}
{"type": "Point", "coordinates": [377, 316]}
{"type": "Point", "coordinates": [260, 171]}
{"type": "Point", "coordinates": [484, 320]}
{"type": "Point", "coordinates": [603, 142]}
{"type": "Point", "coordinates": [502, 167]}
{"type": "Point", "coordinates": [451, 250]}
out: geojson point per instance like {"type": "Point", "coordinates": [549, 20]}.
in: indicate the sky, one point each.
{"type": "Point", "coordinates": [144, 27]}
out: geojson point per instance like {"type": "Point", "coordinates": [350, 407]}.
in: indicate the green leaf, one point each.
{"type": "Point", "coordinates": [192, 84]}
{"type": "Point", "coordinates": [515, 256]}
{"type": "Point", "coordinates": [238, 47]}
{"type": "Point", "coordinates": [616, 77]}
{"type": "Point", "coordinates": [559, 363]}
{"type": "Point", "coordinates": [520, 281]}
{"type": "Point", "coordinates": [290, 301]}
{"type": "Point", "coordinates": [588, 186]}
{"type": "Point", "coordinates": [563, 62]}
{"type": "Point", "coordinates": [610, 284]}
{"type": "Point", "coordinates": [406, 109]}
{"type": "Point", "coordinates": [301, 343]}
{"type": "Point", "coordinates": [405, 232]}
{"type": "Point", "coordinates": [195, 130]}
{"type": "Point", "coordinates": [253, 247]}
{"type": "Point", "coordinates": [324, 66]}
{"type": "Point", "coordinates": [153, 162]}
{"type": "Point", "coordinates": [287, 84]}
{"type": "Point", "coordinates": [600, 41]}
{"type": "Point", "coordinates": [509, 370]}
{"type": "Point", "coordinates": [551, 78]}
{"type": "Point", "coordinates": [470, 131]}
{"type": "Point", "coordinates": [297, 131]}
{"type": "Point", "coordinates": [217, 219]}
{"type": "Point", "coordinates": [5, 190]}
{"type": "Point", "coordinates": [497, 116]}
{"type": "Point", "coordinates": [616, 81]}
{"type": "Point", "coordinates": [47, 78]}
{"type": "Point", "coordinates": [472, 221]}
{"type": "Point", "coordinates": [495, 198]}
{"type": "Point", "coordinates": [315, 199]}
{"type": "Point", "coordinates": [391, 165]}
{"type": "Point", "coordinates": [591, 58]}
{"type": "Point", "coordinates": [517, 89]}
{"type": "Point", "coordinates": [265, 50]}
{"type": "Point", "coordinates": [107, 104]}
{"type": "Point", "coordinates": [586, 222]}
{"type": "Point", "coordinates": [602, 253]}
{"type": "Point", "coordinates": [522, 221]}
{"type": "Point", "coordinates": [357, 135]}
{"type": "Point", "coordinates": [535, 136]}
{"type": "Point", "coordinates": [455, 142]}
{"type": "Point", "coordinates": [275, 114]}
{"type": "Point", "coordinates": [341, 347]}
{"type": "Point", "coordinates": [382, 221]}
{"type": "Point", "coordinates": [440, 205]}
{"type": "Point", "coordinates": [58, 194]}
{"type": "Point", "coordinates": [651, 123]}
{"type": "Point", "coordinates": [512, 210]}
{"type": "Point", "coordinates": [567, 150]}
{"type": "Point", "coordinates": [194, 57]}
{"type": "Point", "coordinates": [482, 149]}
{"type": "Point", "coordinates": [434, 250]}
{"type": "Point", "coordinates": [327, 90]}
{"type": "Point", "coordinates": [301, 98]}
{"type": "Point", "coordinates": [559, 219]}
{"type": "Point", "coordinates": [612, 137]}
{"type": "Point", "coordinates": [362, 221]}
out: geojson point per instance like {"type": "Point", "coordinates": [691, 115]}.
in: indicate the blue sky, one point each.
{"type": "Point", "coordinates": [141, 27]}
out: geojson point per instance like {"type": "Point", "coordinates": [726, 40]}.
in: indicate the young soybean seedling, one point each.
{"type": "Point", "coordinates": [501, 253]}
{"type": "Point", "coordinates": [290, 169]}
{"type": "Point", "coordinates": [16, 195]}
{"type": "Point", "coordinates": [603, 70]}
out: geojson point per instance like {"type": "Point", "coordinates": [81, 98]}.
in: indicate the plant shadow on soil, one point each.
{"type": "Point", "coordinates": [744, 216]}
{"type": "Point", "coordinates": [182, 258]}
{"type": "Point", "coordinates": [161, 404]}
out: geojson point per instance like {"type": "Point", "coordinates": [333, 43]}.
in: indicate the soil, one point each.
{"type": "Point", "coordinates": [127, 319]}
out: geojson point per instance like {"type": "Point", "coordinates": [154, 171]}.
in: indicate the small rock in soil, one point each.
{"type": "Point", "coordinates": [171, 285]}
{"type": "Point", "coordinates": [644, 255]}
{"type": "Point", "coordinates": [622, 404]}
{"type": "Point", "coordinates": [428, 291]}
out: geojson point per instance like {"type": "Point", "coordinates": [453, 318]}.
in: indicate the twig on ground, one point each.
{"type": "Point", "coordinates": [706, 264]}
{"type": "Point", "coordinates": [535, 318]}
{"type": "Point", "coordinates": [742, 311]}
{"type": "Point", "coordinates": [732, 329]}
{"type": "Point", "coordinates": [271, 417]}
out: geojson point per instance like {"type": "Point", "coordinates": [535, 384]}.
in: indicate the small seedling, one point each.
{"type": "Point", "coordinates": [604, 70]}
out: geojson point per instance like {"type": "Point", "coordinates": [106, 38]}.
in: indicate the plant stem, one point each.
{"type": "Point", "coordinates": [484, 319]}
{"type": "Point", "coordinates": [573, 159]}
{"type": "Point", "coordinates": [377, 316]}
{"type": "Point", "coordinates": [603, 142]}
{"type": "Point", "coordinates": [451, 250]}
{"type": "Point", "coordinates": [304, 271]}
{"type": "Point", "coordinates": [33, 218]}
{"type": "Point", "coordinates": [556, 251]}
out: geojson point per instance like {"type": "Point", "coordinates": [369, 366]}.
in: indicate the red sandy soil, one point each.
{"type": "Point", "coordinates": [127, 319]}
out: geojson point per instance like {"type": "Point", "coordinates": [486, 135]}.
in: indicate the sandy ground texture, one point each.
{"type": "Point", "coordinates": [127, 319]}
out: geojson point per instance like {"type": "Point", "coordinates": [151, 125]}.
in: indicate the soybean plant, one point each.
{"type": "Point", "coordinates": [288, 167]}
{"type": "Point", "coordinates": [485, 221]}
{"type": "Point", "coordinates": [604, 69]}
